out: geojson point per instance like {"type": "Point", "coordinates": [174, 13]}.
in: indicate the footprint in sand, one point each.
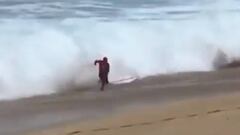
{"type": "Point", "coordinates": [169, 119]}
{"type": "Point", "coordinates": [146, 123]}
{"type": "Point", "coordinates": [100, 129]}
{"type": "Point", "coordinates": [74, 133]}
{"type": "Point", "coordinates": [215, 111]}
{"type": "Point", "coordinates": [126, 126]}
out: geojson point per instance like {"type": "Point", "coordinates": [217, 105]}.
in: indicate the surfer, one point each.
{"type": "Point", "coordinates": [104, 69]}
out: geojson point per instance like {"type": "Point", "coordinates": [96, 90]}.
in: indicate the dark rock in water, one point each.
{"type": "Point", "coordinates": [233, 64]}
{"type": "Point", "coordinates": [222, 61]}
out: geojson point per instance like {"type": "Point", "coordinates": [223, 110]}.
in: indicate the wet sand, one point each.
{"type": "Point", "coordinates": [142, 101]}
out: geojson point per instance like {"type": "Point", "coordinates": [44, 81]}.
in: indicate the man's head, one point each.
{"type": "Point", "coordinates": [105, 59]}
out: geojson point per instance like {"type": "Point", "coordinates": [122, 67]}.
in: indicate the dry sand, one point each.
{"type": "Point", "coordinates": [211, 116]}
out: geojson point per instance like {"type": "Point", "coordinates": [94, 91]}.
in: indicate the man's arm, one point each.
{"type": "Point", "coordinates": [96, 62]}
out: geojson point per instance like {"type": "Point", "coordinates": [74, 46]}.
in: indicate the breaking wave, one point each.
{"type": "Point", "coordinates": [39, 56]}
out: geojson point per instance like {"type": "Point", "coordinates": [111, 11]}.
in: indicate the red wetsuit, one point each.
{"type": "Point", "coordinates": [104, 69]}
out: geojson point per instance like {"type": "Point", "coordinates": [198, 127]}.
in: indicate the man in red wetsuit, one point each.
{"type": "Point", "coordinates": [104, 69]}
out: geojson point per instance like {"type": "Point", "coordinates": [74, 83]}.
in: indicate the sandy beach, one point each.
{"type": "Point", "coordinates": [184, 104]}
{"type": "Point", "coordinates": [211, 116]}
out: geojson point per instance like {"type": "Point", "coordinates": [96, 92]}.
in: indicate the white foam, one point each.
{"type": "Point", "coordinates": [38, 57]}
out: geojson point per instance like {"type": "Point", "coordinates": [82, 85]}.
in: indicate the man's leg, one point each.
{"type": "Point", "coordinates": [103, 81]}
{"type": "Point", "coordinates": [107, 82]}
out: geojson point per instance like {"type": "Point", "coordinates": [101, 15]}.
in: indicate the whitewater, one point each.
{"type": "Point", "coordinates": [46, 46]}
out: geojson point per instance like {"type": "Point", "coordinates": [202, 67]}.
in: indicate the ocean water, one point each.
{"type": "Point", "coordinates": [50, 45]}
